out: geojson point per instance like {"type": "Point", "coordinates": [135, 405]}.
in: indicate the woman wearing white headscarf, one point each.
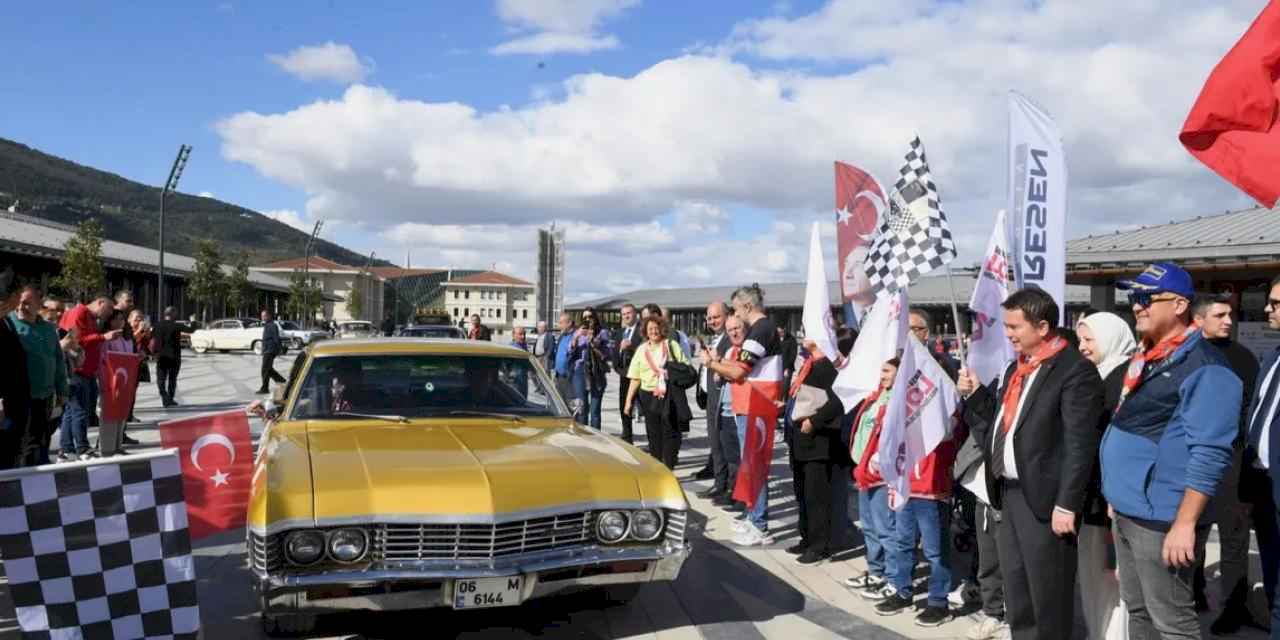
{"type": "Point", "coordinates": [1107, 341]}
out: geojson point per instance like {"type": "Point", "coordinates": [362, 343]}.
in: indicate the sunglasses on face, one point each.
{"type": "Point", "coordinates": [1145, 299]}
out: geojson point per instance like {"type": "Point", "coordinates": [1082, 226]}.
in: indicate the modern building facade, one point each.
{"type": "Point", "coordinates": [502, 302]}
{"type": "Point", "coordinates": [339, 283]}
{"type": "Point", "coordinates": [551, 261]}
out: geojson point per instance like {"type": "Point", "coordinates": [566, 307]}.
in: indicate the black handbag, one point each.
{"type": "Point", "coordinates": [679, 374]}
{"type": "Point", "coordinates": [701, 394]}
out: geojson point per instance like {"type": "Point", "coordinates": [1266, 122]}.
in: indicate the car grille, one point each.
{"type": "Point", "coordinates": [483, 542]}
{"type": "Point", "coordinates": [676, 521]}
{"type": "Point", "coordinates": [264, 553]}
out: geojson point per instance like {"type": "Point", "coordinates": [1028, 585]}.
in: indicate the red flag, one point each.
{"type": "Point", "coordinates": [217, 468]}
{"type": "Point", "coordinates": [859, 201]}
{"type": "Point", "coordinates": [757, 451]}
{"type": "Point", "coordinates": [119, 382]}
{"type": "Point", "coordinates": [1231, 128]}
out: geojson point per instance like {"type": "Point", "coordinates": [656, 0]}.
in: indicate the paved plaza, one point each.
{"type": "Point", "coordinates": [723, 592]}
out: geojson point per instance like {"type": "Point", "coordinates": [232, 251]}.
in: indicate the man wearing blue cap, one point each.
{"type": "Point", "coordinates": [1165, 452]}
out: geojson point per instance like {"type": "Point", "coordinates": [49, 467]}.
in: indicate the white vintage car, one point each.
{"type": "Point", "coordinates": [228, 334]}
{"type": "Point", "coordinates": [357, 329]}
{"type": "Point", "coordinates": [297, 337]}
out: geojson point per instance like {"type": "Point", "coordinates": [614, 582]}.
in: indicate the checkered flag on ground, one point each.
{"type": "Point", "coordinates": [914, 238]}
{"type": "Point", "coordinates": [100, 550]}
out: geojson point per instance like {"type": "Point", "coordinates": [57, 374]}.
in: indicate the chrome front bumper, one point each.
{"type": "Point", "coordinates": [431, 585]}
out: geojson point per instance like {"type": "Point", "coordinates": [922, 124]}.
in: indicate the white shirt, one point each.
{"type": "Point", "coordinates": [1010, 464]}
{"type": "Point", "coordinates": [1264, 439]}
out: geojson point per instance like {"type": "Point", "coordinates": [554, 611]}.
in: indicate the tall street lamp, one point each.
{"type": "Point", "coordinates": [175, 174]}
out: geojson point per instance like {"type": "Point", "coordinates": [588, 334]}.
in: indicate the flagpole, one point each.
{"type": "Point", "coordinates": [955, 313]}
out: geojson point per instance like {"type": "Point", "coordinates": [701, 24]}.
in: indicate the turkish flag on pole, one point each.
{"type": "Point", "coordinates": [1231, 128]}
{"type": "Point", "coordinates": [119, 383]}
{"type": "Point", "coordinates": [217, 466]}
{"type": "Point", "coordinates": [757, 451]}
{"type": "Point", "coordinates": [860, 201]}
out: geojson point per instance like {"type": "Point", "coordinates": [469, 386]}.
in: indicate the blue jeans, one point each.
{"type": "Point", "coordinates": [930, 519]}
{"type": "Point", "coordinates": [81, 394]}
{"type": "Point", "coordinates": [878, 527]}
{"type": "Point", "coordinates": [589, 409]}
{"type": "Point", "coordinates": [758, 515]}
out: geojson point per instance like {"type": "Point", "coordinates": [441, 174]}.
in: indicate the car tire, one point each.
{"type": "Point", "coordinates": [257, 347]}
{"type": "Point", "coordinates": [287, 625]}
{"type": "Point", "coordinates": [621, 594]}
{"type": "Point", "coordinates": [201, 349]}
{"type": "Point", "coordinates": [297, 344]}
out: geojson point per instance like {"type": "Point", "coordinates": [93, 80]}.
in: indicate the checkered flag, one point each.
{"type": "Point", "coordinates": [914, 238]}
{"type": "Point", "coordinates": [100, 549]}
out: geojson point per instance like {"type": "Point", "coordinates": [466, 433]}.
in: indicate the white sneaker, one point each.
{"type": "Point", "coordinates": [965, 594]}
{"type": "Point", "coordinates": [988, 628]}
{"type": "Point", "coordinates": [876, 594]}
{"type": "Point", "coordinates": [753, 537]}
{"type": "Point", "coordinates": [740, 526]}
{"type": "Point", "coordinates": [864, 581]}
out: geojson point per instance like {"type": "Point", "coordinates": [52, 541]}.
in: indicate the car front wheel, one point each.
{"type": "Point", "coordinates": [200, 348]}
{"type": "Point", "coordinates": [257, 347]}
{"type": "Point", "coordinates": [297, 343]}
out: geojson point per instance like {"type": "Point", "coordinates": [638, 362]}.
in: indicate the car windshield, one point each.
{"type": "Point", "coordinates": [424, 386]}
{"type": "Point", "coordinates": [288, 326]}
{"type": "Point", "coordinates": [430, 332]}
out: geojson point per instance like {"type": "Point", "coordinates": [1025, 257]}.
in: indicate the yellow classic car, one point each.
{"type": "Point", "coordinates": [412, 473]}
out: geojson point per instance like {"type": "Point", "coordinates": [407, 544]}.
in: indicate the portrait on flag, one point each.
{"type": "Point", "coordinates": [99, 549]}
{"type": "Point", "coordinates": [860, 203]}
{"type": "Point", "coordinates": [216, 453]}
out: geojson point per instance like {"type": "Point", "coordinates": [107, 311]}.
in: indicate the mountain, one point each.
{"type": "Point", "coordinates": [62, 191]}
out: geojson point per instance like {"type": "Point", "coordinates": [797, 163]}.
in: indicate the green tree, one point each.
{"type": "Point", "coordinates": [240, 292]}
{"type": "Point", "coordinates": [355, 298]}
{"type": "Point", "coordinates": [304, 300]}
{"type": "Point", "coordinates": [208, 284]}
{"type": "Point", "coordinates": [82, 272]}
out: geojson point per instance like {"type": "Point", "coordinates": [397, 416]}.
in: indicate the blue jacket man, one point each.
{"type": "Point", "coordinates": [1165, 452]}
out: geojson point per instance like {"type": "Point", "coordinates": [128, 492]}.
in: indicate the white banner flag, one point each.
{"type": "Point", "coordinates": [816, 318]}
{"type": "Point", "coordinates": [1037, 200]}
{"type": "Point", "coordinates": [918, 418]}
{"type": "Point", "coordinates": [884, 330]}
{"type": "Point", "coordinates": [989, 350]}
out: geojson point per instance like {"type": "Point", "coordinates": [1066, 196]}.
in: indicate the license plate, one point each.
{"type": "Point", "coordinates": [483, 593]}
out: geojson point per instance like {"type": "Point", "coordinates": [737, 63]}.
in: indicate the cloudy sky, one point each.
{"type": "Point", "coordinates": [680, 144]}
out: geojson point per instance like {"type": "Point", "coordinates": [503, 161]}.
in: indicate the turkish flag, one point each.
{"type": "Point", "coordinates": [119, 383]}
{"type": "Point", "coordinates": [757, 450]}
{"type": "Point", "coordinates": [1231, 128]}
{"type": "Point", "coordinates": [217, 468]}
{"type": "Point", "coordinates": [860, 200]}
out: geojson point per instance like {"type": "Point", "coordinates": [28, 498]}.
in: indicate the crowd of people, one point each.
{"type": "Point", "coordinates": [1101, 456]}
{"type": "Point", "coordinates": [55, 362]}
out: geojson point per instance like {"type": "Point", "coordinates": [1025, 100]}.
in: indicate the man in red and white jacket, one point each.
{"type": "Point", "coordinates": [82, 392]}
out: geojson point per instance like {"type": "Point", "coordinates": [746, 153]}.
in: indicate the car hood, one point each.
{"type": "Point", "coordinates": [474, 470]}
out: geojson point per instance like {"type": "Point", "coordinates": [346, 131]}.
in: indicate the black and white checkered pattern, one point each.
{"type": "Point", "coordinates": [100, 550]}
{"type": "Point", "coordinates": [914, 238]}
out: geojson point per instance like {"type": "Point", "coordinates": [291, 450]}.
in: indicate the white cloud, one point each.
{"type": "Point", "coordinates": [701, 135]}
{"type": "Point", "coordinates": [549, 42]}
{"type": "Point", "coordinates": [558, 26]}
{"type": "Point", "coordinates": [206, 194]}
{"type": "Point", "coordinates": [290, 217]}
{"type": "Point", "coordinates": [329, 61]}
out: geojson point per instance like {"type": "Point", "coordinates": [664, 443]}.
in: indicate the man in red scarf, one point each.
{"type": "Point", "coordinates": [1165, 452]}
{"type": "Point", "coordinates": [1039, 434]}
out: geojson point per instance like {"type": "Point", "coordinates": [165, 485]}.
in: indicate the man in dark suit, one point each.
{"type": "Point", "coordinates": [271, 347]}
{"type": "Point", "coordinates": [628, 340]}
{"type": "Point", "coordinates": [711, 384]}
{"type": "Point", "coordinates": [1262, 459]}
{"type": "Point", "coordinates": [1039, 434]}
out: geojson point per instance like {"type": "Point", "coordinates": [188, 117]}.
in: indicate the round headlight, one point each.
{"type": "Point", "coordinates": [304, 547]}
{"type": "Point", "coordinates": [646, 525]}
{"type": "Point", "coordinates": [348, 545]}
{"type": "Point", "coordinates": [612, 526]}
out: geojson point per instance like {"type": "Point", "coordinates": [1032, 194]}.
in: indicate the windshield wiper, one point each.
{"type": "Point", "coordinates": [488, 414]}
{"type": "Point", "coordinates": [370, 416]}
